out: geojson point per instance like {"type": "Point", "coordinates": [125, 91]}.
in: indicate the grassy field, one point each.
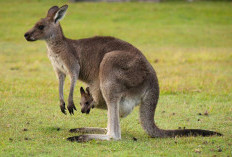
{"type": "Point", "coordinates": [189, 45]}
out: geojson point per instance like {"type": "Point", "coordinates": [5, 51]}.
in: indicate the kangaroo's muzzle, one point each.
{"type": "Point", "coordinates": [28, 37]}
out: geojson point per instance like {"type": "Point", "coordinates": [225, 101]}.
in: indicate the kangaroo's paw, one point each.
{"type": "Point", "coordinates": [88, 137]}
{"type": "Point", "coordinates": [71, 108]}
{"type": "Point", "coordinates": [62, 108]}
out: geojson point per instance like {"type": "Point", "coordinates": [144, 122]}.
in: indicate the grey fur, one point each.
{"type": "Point", "coordinates": [118, 74]}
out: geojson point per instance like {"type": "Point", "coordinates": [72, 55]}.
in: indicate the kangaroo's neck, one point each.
{"type": "Point", "coordinates": [56, 42]}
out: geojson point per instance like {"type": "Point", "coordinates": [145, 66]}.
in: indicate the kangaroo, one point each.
{"type": "Point", "coordinates": [118, 74]}
{"type": "Point", "coordinates": [86, 100]}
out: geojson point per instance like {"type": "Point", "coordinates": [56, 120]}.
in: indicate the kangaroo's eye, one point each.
{"type": "Point", "coordinates": [41, 27]}
{"type": "Point", "coordinates": [87, 103]}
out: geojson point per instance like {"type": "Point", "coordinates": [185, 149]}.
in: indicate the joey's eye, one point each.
{"type": "Point", "coordinates": [87, 103]}
{"type": "Point", "coordinates": [41, 27]}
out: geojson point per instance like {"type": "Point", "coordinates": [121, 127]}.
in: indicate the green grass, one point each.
{"type": "Point", "coordinates": [189, 45]}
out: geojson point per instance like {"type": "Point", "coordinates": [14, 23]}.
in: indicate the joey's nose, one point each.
{"type": "Point", "coordinates": [26, 35]}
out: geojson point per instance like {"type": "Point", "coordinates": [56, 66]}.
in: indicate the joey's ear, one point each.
{"type": "Point", "coordinates": [82, 90]}
{"type": "Point", "coordinates": [87, 90]}
{"type": "Point", "coordinates": [52, 11]}
{"type": "Point", "coordinates": [60, 13]}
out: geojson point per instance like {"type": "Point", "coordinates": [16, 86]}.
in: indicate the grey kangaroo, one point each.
{"type": "Point", "coordinates": [118, 74]}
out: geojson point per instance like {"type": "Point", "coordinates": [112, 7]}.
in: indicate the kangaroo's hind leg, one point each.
{"type": "Point", "coordinates": [112, 92]}
{"type": "Point", "coordinates": [113, 127]}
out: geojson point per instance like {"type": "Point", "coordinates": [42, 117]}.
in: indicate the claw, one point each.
{"type": "Point", "coordinates": [77, 139]}
{"type": "Point", "coordinates": [71, 111]}
{"type": "Point", "coordinates": [73, 130]}
{"type": "Point", "coordinates": [64, 112]}
{"type": "Point", "coordinates": [72, 139]}
{"type": "Point", "coordinates": [71, 108]}
{"type": "Point", "coordinates": [62, 108]}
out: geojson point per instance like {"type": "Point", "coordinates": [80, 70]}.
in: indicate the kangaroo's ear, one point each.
{"type": "Point", "coordinates": [60, 13]}
{"type": "Point", "coordinates": [82, 90]}
{"type": "Point", "coordinates": [87, 90]}
{"type": "Point", "coordinates": [52, 11]}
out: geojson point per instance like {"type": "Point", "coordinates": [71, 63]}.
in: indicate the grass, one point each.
{"type": "Point", "coordinates": [189, 45]}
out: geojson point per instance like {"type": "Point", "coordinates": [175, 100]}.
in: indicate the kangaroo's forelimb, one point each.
{"type": "Point", "coordinates": [61, 77]}
{"type": "Point", "coordinates": [74, 76]}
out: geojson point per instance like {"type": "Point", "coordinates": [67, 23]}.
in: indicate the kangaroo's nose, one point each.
{"type": "Point", "coordinates": [26, 35]}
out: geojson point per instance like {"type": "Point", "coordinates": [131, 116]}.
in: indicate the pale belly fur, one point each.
{"type": "Point", "coordinates": [127, 105]}
{"type": "Point", "coordinates": [58, 63]}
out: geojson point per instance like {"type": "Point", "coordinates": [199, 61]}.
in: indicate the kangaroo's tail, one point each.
{"type": "Point", "coordinates": [190, 132]}
{"type": "Point", "coordinates": [147, 112]}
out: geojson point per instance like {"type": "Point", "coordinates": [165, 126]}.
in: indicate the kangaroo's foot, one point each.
{"type": "Point", "coordinates": [89, 130]}
{"type": "Point", "coordinates": [88, 137]}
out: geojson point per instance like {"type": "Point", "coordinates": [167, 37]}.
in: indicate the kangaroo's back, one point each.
{"type": "Point", "coordinates": [92, 50]}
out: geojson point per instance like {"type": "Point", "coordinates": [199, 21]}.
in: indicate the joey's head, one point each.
{"type": "Point", "coordinates": [49, 26]}
{"type": "Point", "coordinates": [86, 100]}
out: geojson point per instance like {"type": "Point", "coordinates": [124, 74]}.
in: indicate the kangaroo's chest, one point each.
{"type": "Point", "coordinates": [57, 62]}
